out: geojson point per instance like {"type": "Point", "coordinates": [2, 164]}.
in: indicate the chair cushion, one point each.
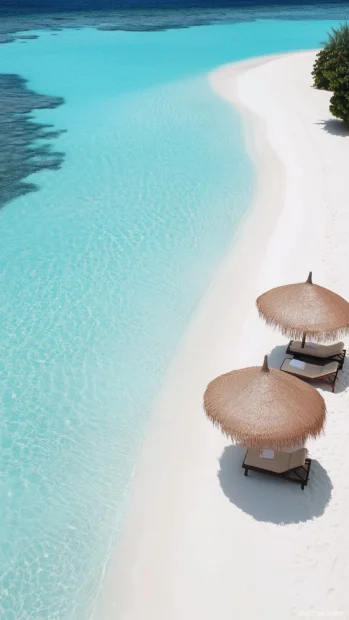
{"type": "Point", "coordinates": [317, 350]}
{"type": "Point", "coordinates": [279, 464]}
{"type": "Point", "coordinates": [311, 371]}
{"type": "Point", "coordinates": [298, 458]}
{"type": "Point", "coordinates": [297, 364]}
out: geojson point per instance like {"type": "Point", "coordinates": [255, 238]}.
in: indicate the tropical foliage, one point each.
{"type": "Point", "coordinates": [340, 37]}
{"type": "Point", "coordinates": [339, 104]}
{"type": "Point", "coordinates": [331, 71]}
{"type": "Point", "coordinates": [325, 67]}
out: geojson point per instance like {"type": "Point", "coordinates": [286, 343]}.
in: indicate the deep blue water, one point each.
{"type": "Point", "coordinates": [147, 15]}
{"type": "Point", "coordinates": [36, 6]}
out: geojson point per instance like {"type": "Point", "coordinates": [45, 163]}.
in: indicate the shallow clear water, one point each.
{"type": "Point", "coordinates": [100, 272]}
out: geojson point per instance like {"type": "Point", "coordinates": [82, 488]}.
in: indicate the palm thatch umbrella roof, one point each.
{"type": "Point", "coordinates": [262, 407]}
{"type": "Point", "coordinates": [308, 308]}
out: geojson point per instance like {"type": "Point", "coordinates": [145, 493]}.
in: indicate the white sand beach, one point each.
{"type": "Point", "coordinates": [202, 541]}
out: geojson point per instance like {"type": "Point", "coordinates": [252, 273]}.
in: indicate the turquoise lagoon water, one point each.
{"type": "Point", "coordinates": [101, 270]}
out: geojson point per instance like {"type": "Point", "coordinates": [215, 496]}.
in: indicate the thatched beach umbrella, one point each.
{"type": "Point", "coordinates": [305, 308]}
{"type": "Point", "coordinates": [264, 407]}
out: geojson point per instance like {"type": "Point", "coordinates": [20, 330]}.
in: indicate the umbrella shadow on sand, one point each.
{"type": "Point", "coordinates": [270, 499]}
{"type": "Point", "coordinates": [278, 354]}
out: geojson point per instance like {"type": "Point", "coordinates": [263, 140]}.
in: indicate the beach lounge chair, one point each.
{"type": "Point", "coordinates": [325, 373]}
{"type": "Point", "coordinates": [294, 466]}
{"type": "Point", "coordinates": [326, 353]}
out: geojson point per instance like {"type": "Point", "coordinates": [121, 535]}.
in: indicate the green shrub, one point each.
{"type": "Point", "coordinates": [339, 104]}
{"type": "Point", "coordinates": [324, 67]}
{"type": "Point", "coordinates": [335, 53]}
{"type": "Point", "coordinates": [331, 71]}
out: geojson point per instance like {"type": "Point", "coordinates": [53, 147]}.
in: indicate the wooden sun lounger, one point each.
{"type": "Point", "coordinates": [294, 466]}
{"type": "Point", "coordinates": [325, 373]}
{"type": "Point", "coordinates": [326, 353]}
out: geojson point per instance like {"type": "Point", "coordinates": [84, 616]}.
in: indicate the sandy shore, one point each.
{"type": "Point", "coordinates": [202, 541]}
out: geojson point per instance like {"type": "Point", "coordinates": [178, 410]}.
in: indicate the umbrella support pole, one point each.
{"type": "Point", "coordinates": [303, 339]}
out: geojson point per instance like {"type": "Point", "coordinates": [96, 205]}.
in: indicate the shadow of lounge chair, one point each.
{"type": "Point", "coordinates": [321, 352]}
{"type": "Point", "coordinates": [294, 466]}
{"type": "Point", "coordinates": [324, 373]}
